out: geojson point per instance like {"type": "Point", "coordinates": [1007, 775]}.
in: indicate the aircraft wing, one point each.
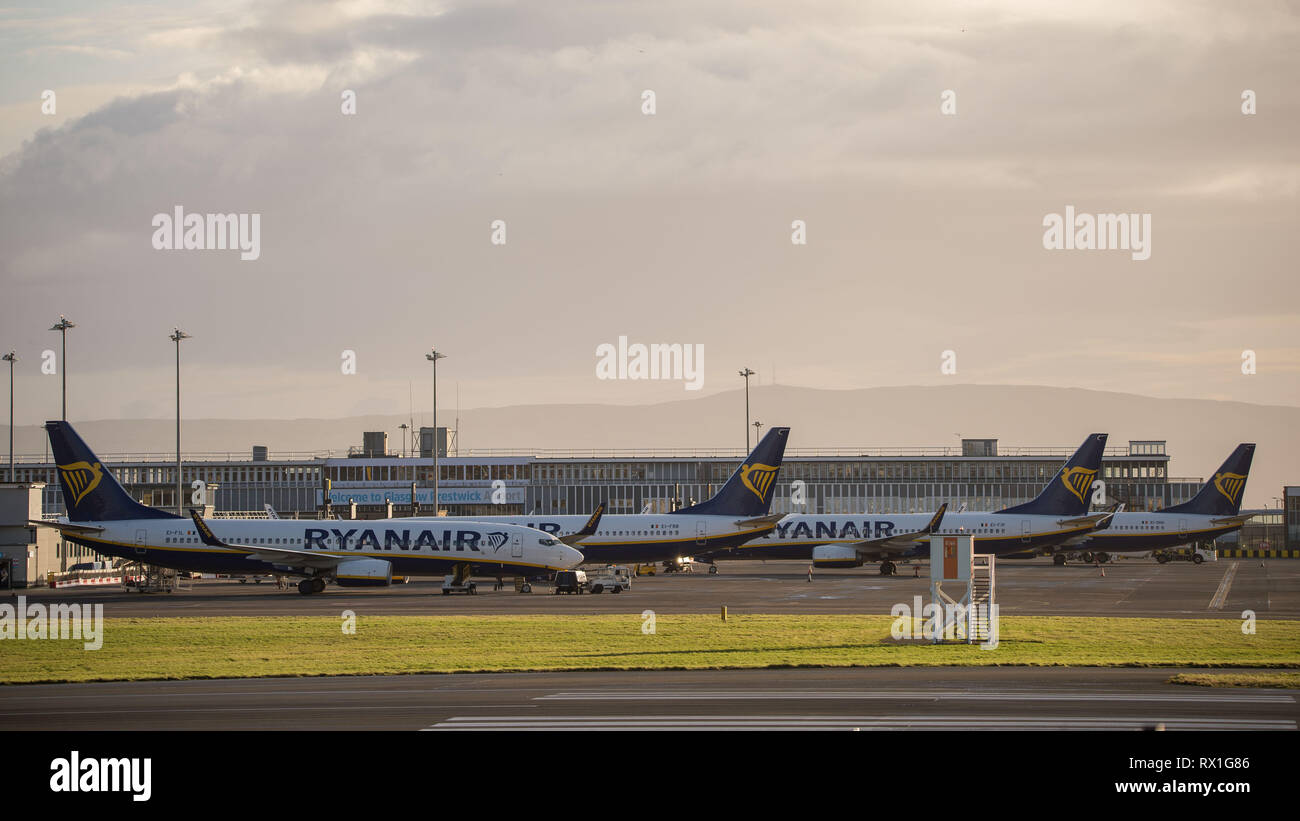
{"type": "Point", "coordinates": [897, 543]}
{"type": "Point", "coordinates": [588, 530]}
{"type": "Point", "coordinates": [1073, 541]}
{"type": "Point", "coordinates": [1098, 521]}
{"type": "Point", "coordinates": [272, 555]}
{"type": "Point", "coordinates": [68, 526]}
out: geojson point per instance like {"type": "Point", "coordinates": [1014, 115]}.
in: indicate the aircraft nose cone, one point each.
{"type": "Point", "coordinates": [569, 558]}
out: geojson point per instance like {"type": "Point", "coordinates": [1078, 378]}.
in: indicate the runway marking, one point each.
{"type": "Point", "coordinates": [1270, 697]}
{"type": "Point", "coordinates": [8, 695]}
{"type": "Point", "coordinates": [276, 709]}
{"type": "Point", "coordinates": [799, 722]}
{"type": "Point", "coordinates": [1140, 583]}
{"type": "Point", "coordinates": [1221, 595]}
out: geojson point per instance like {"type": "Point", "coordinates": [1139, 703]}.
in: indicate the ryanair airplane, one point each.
{"type": "Point", "coordinates": [103, 517]}
{"type": "Point", "coordinates": [1058, 515]}
{"type": "Point", "coordinates": [737, 513]}
{"type": "Point", "coordinates": [1212, 512]}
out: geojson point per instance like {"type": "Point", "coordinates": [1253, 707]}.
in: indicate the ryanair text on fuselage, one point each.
{"type": "Point", "coordinates": [448, 540]}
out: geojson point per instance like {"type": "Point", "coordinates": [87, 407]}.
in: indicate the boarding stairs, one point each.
{"type": "Point", "coordinates": [982, 584]}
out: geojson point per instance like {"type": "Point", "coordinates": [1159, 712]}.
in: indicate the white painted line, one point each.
{"type": "Point", "coordinates": [332, 708]}
{"type": "Point", "coordinates": [1267, 697]}
{"type": "Point", "coordinates": [1221, 595]}
{"type": "Point", "coordinates": [957, 722]}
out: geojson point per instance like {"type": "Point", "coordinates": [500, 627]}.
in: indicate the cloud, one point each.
{"type": "Point", "coordinates": [671, 228]}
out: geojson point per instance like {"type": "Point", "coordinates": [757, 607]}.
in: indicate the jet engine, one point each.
{"type": "Point", "coordinates": [364, 573]}
{"type": "Point", "coordinates": [834, 555]}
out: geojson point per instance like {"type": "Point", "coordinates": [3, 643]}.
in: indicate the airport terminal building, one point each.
{"type": "Point", "coordinates": [871, 480]}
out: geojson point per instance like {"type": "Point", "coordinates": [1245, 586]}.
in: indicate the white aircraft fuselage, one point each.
{"type": "Point", "coordinates": [829, 538]}
{"type": "Point", "coordinates": [643, 537]}
{"type": "Point", "coordinates": [414, 547]}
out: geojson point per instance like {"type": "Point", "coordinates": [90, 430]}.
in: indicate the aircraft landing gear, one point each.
{"type": "Point", "coordinates": [713, 570]}
{"type": "Point", "coordinates": [888, 568]}
{"type": "Point", "coordinates": [313, 585]}
{"type": "Point", "coordinates": [1086, 556]}
{"type": "Point", "coordinates": [1058, 559]}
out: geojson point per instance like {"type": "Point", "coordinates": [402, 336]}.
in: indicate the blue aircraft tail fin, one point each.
{"type": "Point", "coordinates": [749, 490]}
{"type": "Point", "coordinates": [90, 492]}
{"type": "Point", "coordinates": [1070, 491]}
{"type": "Point", "coordinates": [1221, 496]}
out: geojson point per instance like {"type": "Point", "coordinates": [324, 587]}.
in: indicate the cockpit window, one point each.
{"type": "Point", "coordinates": [548, 542]}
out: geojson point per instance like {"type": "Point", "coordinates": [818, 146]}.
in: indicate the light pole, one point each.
{"type": "Point", "coordinates": [746, 373]}
{"type": "Point", "coordinates": [11, 358]}
{"type": "Point", "coordinates": [62, 327]}
{"type": "Point", "coordinates": [177, 336]}
{"type": "Point", "coordinates": [433, 356]}
{"type": "Point", "coordinates": [404, 428]}
{"type": "Point", "coordinates": [758, 432]}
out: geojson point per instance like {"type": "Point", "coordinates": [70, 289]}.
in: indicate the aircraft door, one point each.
{"type": "Point", "coordinates": [701, 533]}
{"type": "Point", "coordinates": [1025, 531]}
{"type": "Point", "coordinates": [1182, 525]}
{"type": "Point", "coordinates": [141, 536]}
{"type": "Point", "coordinates": [516, 547]}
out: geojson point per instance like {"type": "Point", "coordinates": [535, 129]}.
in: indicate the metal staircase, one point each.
{"type": "Point", "coordinates": [982, 583]}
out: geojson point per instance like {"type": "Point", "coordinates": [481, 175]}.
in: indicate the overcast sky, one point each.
{"type": "Point", "coordinates": [924, 230]}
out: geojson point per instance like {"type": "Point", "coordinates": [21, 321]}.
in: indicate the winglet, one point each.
{"type": "Point", "coordinates": [205, 533]}
{"type": "Point", "coordinates": [1116, 507]}
{"type": "Point", "coordinates": [938, 517]}
{"type": "Point", "coordinates": [588, 530]}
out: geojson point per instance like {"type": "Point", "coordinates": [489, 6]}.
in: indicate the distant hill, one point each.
{"type": "Point", "coordinates": [1200, 433]}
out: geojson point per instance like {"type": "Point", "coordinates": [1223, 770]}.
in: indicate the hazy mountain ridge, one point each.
{"type": "Point", "coordinates": [1200, 433]}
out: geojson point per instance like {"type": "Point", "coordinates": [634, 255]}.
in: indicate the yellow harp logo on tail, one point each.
{"type": "Point", "coordinates": [1077, 480]}
{"type": "Point", "coordinates": [81, 478]}
{"type": "Point", "coordinates": [1230, 485]}
{"type": "Point", "coordinates": [758, 478]}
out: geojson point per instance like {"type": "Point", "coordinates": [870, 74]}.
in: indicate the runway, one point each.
{"type": "Point", "coordinates": [831, 699]}
{"type": "Point", "coordinates": [1140, 588]}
